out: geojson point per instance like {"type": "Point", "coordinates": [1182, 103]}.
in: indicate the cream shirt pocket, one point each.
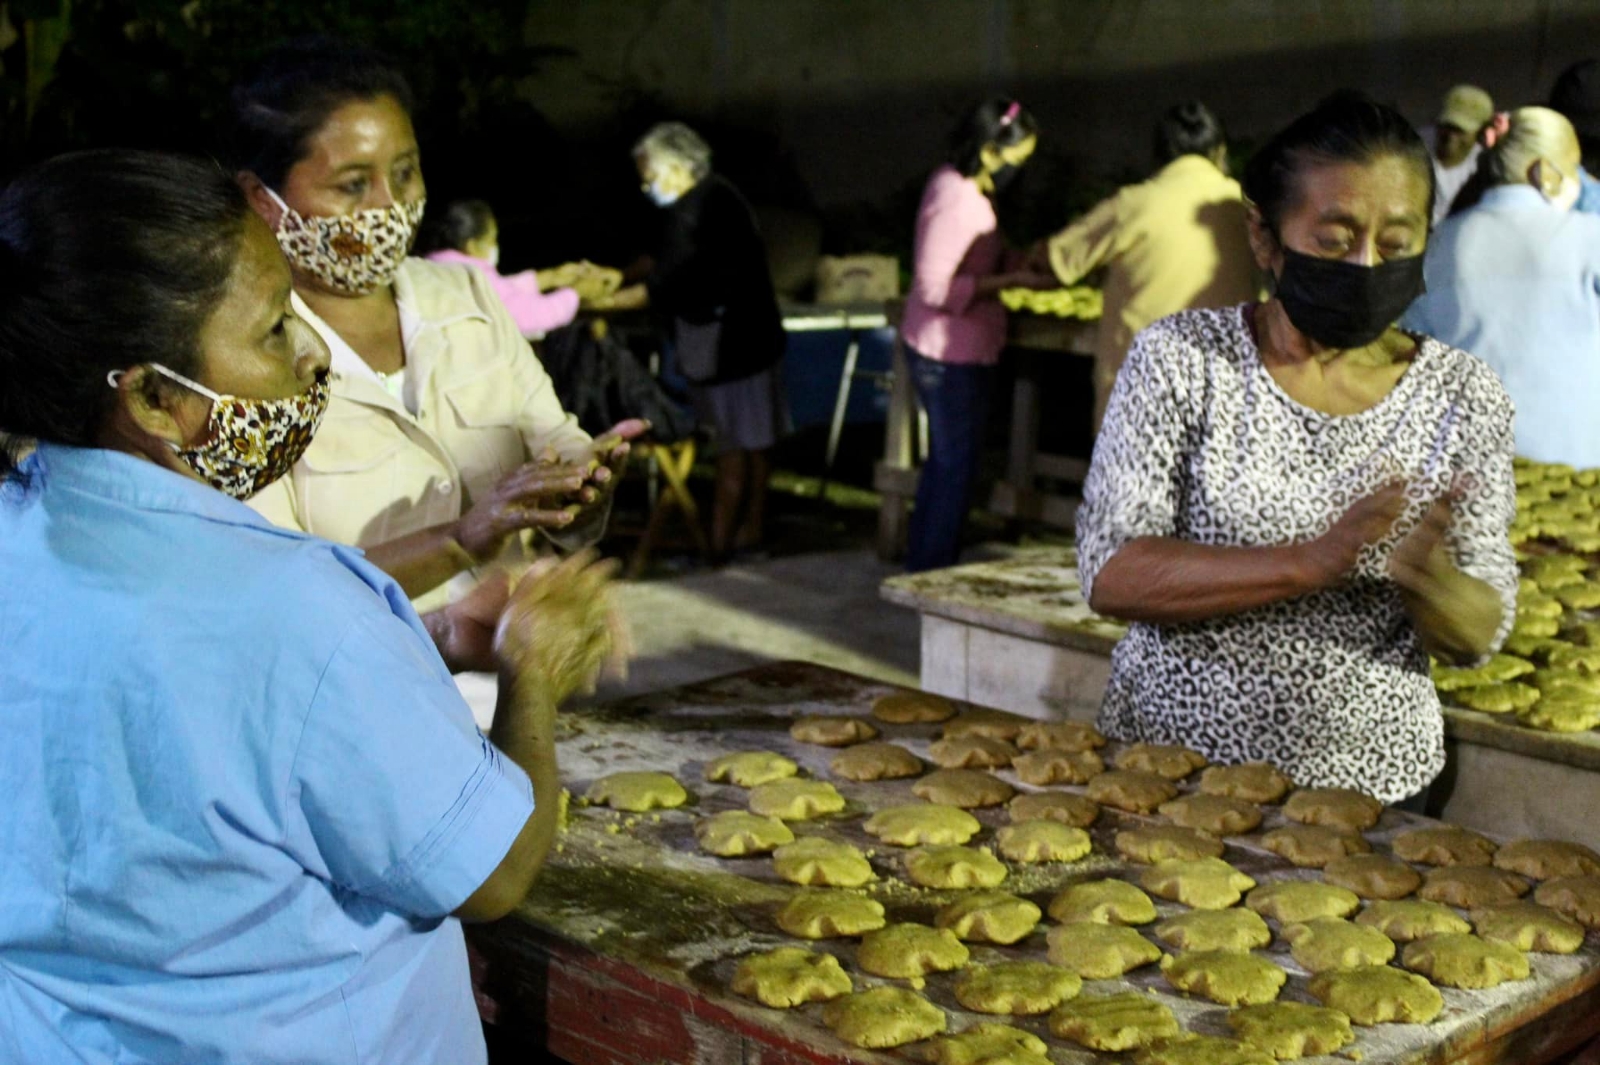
{"type": "Point", "coordinates": [350, 478]}
{"type": "Point", "coordinates": [480, 431]}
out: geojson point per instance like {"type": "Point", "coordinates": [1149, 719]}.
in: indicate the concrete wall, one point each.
{"type": "Point", "coordinates": [862, 92]}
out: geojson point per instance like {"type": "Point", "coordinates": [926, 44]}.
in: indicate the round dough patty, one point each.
{"type": "Point", "coordinates": [1293, 901]}
{"type": "Point", "coordinates": [1444, 845]}
{"type": "Point", "coordinates": [876, 761]}
{"type": "Point", "coordinates": [1313, 846]}
{"type": "Point", "coordinates": [1547, 859]}
{"type": "Point", "coordinates": [912, 708]}
{"type": "Point", "coordinates": [832, 730]}
{"type": "Point", "coordinates": [795, 800]}
{"type": "Point", "coordinates": [1216, 814]}
{"type": "Point", "coordinates": [1052, 766]}
{"type": "Point", "coordinates": [1225, 977]}
{"type": "Point", "coordinates": [1102, 902]}
{"type": "Point", "coordinates": [989, 917]}
{"type": "Point", "coordinates": [1378, 994]}
{"type": "Point", "coordinates": [1064, 807]}
{"type": "Point", "coordinates": [1290, 1030]}
{"type": "Point", "coordinates": [637, 792]}
{"type": "Point", "coordinates": [1060, 735]}
{"type": "Point", "coordinates": [981, 721]}
{"type": "Point", "coordinates": [1333, 943]}
{"type": "Point", "coordinates": [1204, 883]}
{"type": "Point", "coordinates": [903, 951]}
{"type": "Point", "coordinates": [1202, 1050]}
{"type": "Point", "coordinates": [1114, 1022]}
{"type": "Point", "coordinates": [749, 768]}
{"type": "Point", "coordinates": [791, 976]}
{"type": "Point", "coordinates": [922, 823]}
{"type": "Point", "coordinates": [830, 914]}
{"type": "Point", "coordinates": [967, 788]}
{"type": "Point", "coordinates": [1019, 987]}
{"type": "Point", "coordinates": [1528, 926]}
{"type": "Point", "coordinates": [1236, 930]}
{"type": "Point", "coordinates": [1041, 841]}
{"type": "Point", "coordinates": [972, 752]}
{"type": "Point", "coordinates": [1372, 876]}
{"type": "Point", "coordinates": [817, 862]}
{"type": "Point", "coordinates": [1134, 791]}
{"type": "Point", "coordinates": [1100, 951]}
{"type": "Point", "coordinates": [1340, 808]}
{"type": "Point", "coordinates": [1165, 843]}
{"type": "Point", "coordinates": [988, 1044]}
{"type": "Point", "coordinates": [1576, 896]}
{"type": "Point", "coordinates": [954, 867]}
{"type": "Point", "coordinates": [1255, 782]}
{"type": "Point", "coordinates": [1469, 887]}
{"type": "Point", "coordinates": [1410, 919]}
{"type": "Point", "coordinates": [737, 833]}
{"type": "Point", "coordinates": [883, 1017]}
{"type": "Point", "coordinates": [1457, 959]}
{"type": "Point", "coordinates": [1164, 760]}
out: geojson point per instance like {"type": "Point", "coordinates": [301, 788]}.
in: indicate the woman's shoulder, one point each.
{"type": "Point", "coordinates": [1462, 374]}
{"type": "Point", "coordinates": [440, 291]}
{"type": "Point", "coordinates": [1197, 337]}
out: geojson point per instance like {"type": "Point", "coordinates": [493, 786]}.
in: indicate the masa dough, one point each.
{"type": "Point", "coordinates": [972, 752]}
{"type": "Point", "coordinates": [1291, 901]}
{"type": "Point", "coordinates": [966, 788]}
{"type": "Point", "coordinates": [1372, 876]}
{"type": "Point", "coordinates": [795, 800]}
{"type": "Point", "coordinates": [1173, 763]}
{"type": "Point", "coordinates": [920, 823]}
{"type": "Point", "coordinates": [1238, 931]}
{"type": "Point", "coordinates": [1204, 883]}
{"type": "Point", "coordinates": [737, 833]}
{"type": "Point", "coordinates": [749, 768]}
{"type": "Point", "coordinates": [1340, 808]}
{"type": "Point", "coordinates": [1132, 790]}
{"type": "Point", "coordinates": [988, 1044]}
{"type": "Point", "coordinates": [954, 867]}
{"type": "Point", "coordinates": [904, 951]}
{"type": "Point", "coordinates": [912, 708]}
{"type": "Point", "coordinates": [637, 792]}
{"type": "Point", "coordinates": [1064, 807]}
{"type": "Point", "coordinates": [1313, 846]}
{"type": "Point", "coordinates": [876, 761]}
{"type": "Point", "coordinates": [1041, 841]}
{"type": "Point", "coordinates": [1444, 845]}
{"type": "Point", "coordinates": [817, 862]}
{"type": "Point", "coordinates": [1018, 987]}
{"type": "Point", "coordinates": [791, 976]}
{"type": "Point", "coordinates": [830, 914]}
{"type": "Point", "coordinates": [1253, 782]}
{"type": "Point", "coordinates": [1052, 766]}
{"type": "Point", "coordinates": [989, 917]}
{"type": "Point", "coordinates": [1102, 902]}
{"type": "Point", "coordinates": [1202, 1050]}
{"type": "Point", "coordinates": [1547, 859]}
{"type": "Point", "coordinates": [1099, 951]}
{"type": "Point", "coordinates": [1459, 959]}
{"type": "Point", "coordinates": [1060, 735]}
{"type": "Point", "coordinates": [1225, 977]}
{"type": "Point", "coordinates": [1378, 994]}
{"type": "Point", "coordinates": [1333, 943]}
{"type": "Point", "coordinates": [1290, 1030]}
{"type": "Point", "coordinates": [1411, 919]}
{"type": "Point", "coordinates": [1576, 896]}
{"type": "Point", "coordinates": [981, 721]}
{"type": "Point", "coordinates": [883, 1017]}
{"type": "Point", "coordinates": [1528, 926]}
{"type": "Point", "coordinates": [1216, 814]}
{"type": "Point", "coordinates": [1114, 1022]}
{"type": "Point", "coordinates": [1164, 843]}
{"type": "Point", "coordinates": [1469, 887]}
{"type": "Point", "coordinates": [832, 731]}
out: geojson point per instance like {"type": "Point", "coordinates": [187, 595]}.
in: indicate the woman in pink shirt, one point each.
{"type": "Point", "coordinates": [467, 233]}
{"type": "Point", "coordinates": [954, 325]}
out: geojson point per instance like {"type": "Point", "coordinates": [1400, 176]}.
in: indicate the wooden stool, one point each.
{"type": "Point", "coordinates": [674, 462]}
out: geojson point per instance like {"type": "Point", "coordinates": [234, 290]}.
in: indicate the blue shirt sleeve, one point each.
{"type": "Point", "coordinates": [395, 794]}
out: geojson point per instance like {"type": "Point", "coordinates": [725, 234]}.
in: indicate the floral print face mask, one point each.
{"type": "Point", "coordinates": [249, 443]}
{"type": "Point", "coordinates": [352, 254]}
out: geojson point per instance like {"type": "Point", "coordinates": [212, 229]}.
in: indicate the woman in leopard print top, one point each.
{"type": "Point", "coordinates": [1295, 502]}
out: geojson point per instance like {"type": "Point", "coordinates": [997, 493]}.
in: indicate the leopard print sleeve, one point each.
{"type": "Point", "coordinates": [1479, 537]}
{"type": "Point", "coordinates": [1134, 488]}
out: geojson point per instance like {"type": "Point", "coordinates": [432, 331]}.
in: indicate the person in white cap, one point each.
{"type": "Point", "coordinates": [1453, 140]}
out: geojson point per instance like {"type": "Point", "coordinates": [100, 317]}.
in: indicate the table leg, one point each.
{"type": "Point", "coordinates": [895, 478]}
{"type": "Point", "coordinates": [841, 404]}
{"type": "Point", "coordinates": [1024, 445]}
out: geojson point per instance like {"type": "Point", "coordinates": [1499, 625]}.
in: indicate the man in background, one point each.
{"type": "Point", "coordinates": [1453, 140]}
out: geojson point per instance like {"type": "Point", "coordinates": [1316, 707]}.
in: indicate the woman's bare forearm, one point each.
{"type": "Point", "coordinates": [421, 561]}
{"type": "Point", "coordinates": [1165, 581]}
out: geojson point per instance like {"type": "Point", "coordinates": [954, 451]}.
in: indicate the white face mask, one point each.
{"type": "Point", "coordinates": [493, 256]}
{"type": "Point", "coordinates": [660, 196]}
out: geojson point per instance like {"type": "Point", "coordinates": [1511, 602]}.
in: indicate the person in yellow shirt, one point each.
{"type": "Point", "coordinates": [1175, 241]}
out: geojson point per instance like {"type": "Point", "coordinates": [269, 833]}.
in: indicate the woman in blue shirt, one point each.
{"type": "Point", "coordinates": [245, 804]}
{"type": "Point", "coordinates": [1515, 279]}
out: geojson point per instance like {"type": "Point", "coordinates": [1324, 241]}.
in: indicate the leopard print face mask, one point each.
{"type": "Point", "coordinates": [352, 254]}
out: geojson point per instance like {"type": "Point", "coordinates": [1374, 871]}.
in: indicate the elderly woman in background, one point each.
{"type": "Point", "coordinates": [246, 807]}
{"type": "Point", "coordinates": [954, 324]}
{"type": "Point", "coordinates": [444, 443]}
{"type": "Point", "coordinates": [710, 281]}
{"type": "Point", "coordinates": [1294, 502]}
{"type": "Point", "coordinates": [1515, 279]}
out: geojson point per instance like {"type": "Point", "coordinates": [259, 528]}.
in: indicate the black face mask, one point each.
{"type": "Point", "coordinates": [1003, 175]}
{"type": "Point", "coordinates": [1344, 305]}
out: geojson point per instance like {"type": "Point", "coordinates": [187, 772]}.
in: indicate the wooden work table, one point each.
{"type": "Point", "coordinates": [624, 951]}
{"type": "Point", "coordinates": [1016, 634]}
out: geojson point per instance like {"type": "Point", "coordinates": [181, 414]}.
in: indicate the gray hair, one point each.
{"type": "Point", "coordinates": [676, 141]}
{"type": "Point", "coordinates": [1535, 133]}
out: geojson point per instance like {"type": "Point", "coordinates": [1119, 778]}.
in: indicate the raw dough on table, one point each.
{"type": "Point", "coordinates": [1225, 977]}
{"type": "Point", "coordinates": [1372, 876]}
{"type": "Point", "coordinates": [1060, 736]}
{"type": "Point", "coordinates": [912, 708]}
{"type": "Point", "coordinates": [903, 951]}
{"type": "Point", "coordinates": [1547, 859]}
{"type": "Point", "coordinates": [1017, 987]}
{"type": "Point", "coordinates": [832, 731]}
{"type": "Point", "coordinates": [972, 752]}
{"type": "Point", "coordinates": [1164, 760]}
{"type": "Point", "coordinates": [1576, 896]}
{"type": "Point", "coordinates": [830, 914]}
{"type": "Point", "coordinates": [1216, 814]}
{"type": "Point", "coordinates": [1313, 846]}
{"type": "Point", "coordinates": [1064, 807]}
{"type": "Point", "coordinates": [876, 761]}
{"type": "Point", "coordinates": [1204, 883]}
{"type": "Point", "coordinates": [1378, 994]}
{"type": "Point", "coordinates": [1459, 959]}
{"type": "Point", "coordinates": [980, 721]}
{"type": "Point", "coordinates": [1290, 1030]}
{"type": "Point", "coordinates": [791, 976]}
{"type": "Point", "coordinates": [1341, 808]}
{"type": "Point", "coordinates": [1499, 668]}
{"type": "Point", "coordinates": [749, 768]}
{"type": "Point", "coordinates": [1100, 951]}
{"type": "Point", "coordinates": [1528, 926]}
{"type": "Point", "coordinates": [795, 800]}
{"type": "Point", "coordinates": [1052, 766]}
{"type": "Point", "coordinates": [638, 792]}
{"type": "Point", "coordinates": [1582, 659]}
{"type": "Point", "coordinates": [1551, 681]}
{"type": "Point", "coordinates": [1324, 943]}
{"type": "Point", "coordinates": [1202, 1050]}
{"type": "Point", "coordinates": [966, 788]}
{"type": "Point", "coordinates": [1164, 843]}
{"type": "Point", "coordinates": [1497, 698]}
{"type": "Point", "coordinates": [1041, 841]}
{"type": "Point", "coordinates": [1238, 931]}
{"type": "Point", "coordinates": [1256, 782]}
{"type": "Point", "coordinates": [1131, 790]}
{"type": "Point", "coordinates": [988, 1044]}
{"type": "Point", "coordinates": [1102, 902]}
{"type": "Point", "coordinates": [1410, 919]}
{"type": "Point", "coordinates": [989, 917]}
{"type": "Point", "coordinates": [919, 823]}
{"type": "Point", "coordinates": [954, 867]}
{"type": "Point", "coordinates": [816, 862]}
{"type": "Point", "coordinates": [1444, 845]}
{"type": "Point", "coordinates": [1114, 1022]}
{"type": "Point", "coordinates": [737, 833]}
{"type": "Point", "coordinates": [1292, 901]}
{"type": "Point", "coordinates": [1469, 887]}
{"type": "Point", "coordinates": [883, 1017]}
{"type": "Point", "coordinates": [1562, 712]}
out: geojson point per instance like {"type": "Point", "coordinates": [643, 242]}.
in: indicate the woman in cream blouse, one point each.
{"type": "Point", "coordinates": [444, 444]}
